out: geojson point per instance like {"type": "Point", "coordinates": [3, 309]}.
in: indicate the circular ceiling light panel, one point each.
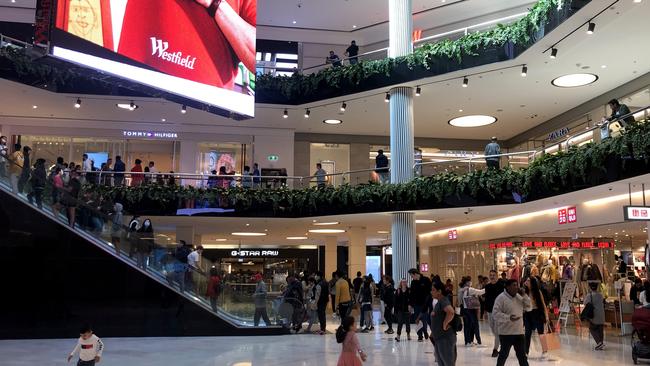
{"type": "Point", "coordinates": [574, 80]}
{"type": "Point", "coordinates": [472, 121]}
{"type": "Point", "coordinates": [247, 233]}
{"type": "Point", "coordinates": [327, 231]}
{"type": "Point", "coordinates": [331, 121]}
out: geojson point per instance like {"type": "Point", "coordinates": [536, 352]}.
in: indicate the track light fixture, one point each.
{"type": "Point", "coordinates": [307, 113]}
{"type": "Point", "coordinates": [418, 91]}
{"type": "Point", "coordinates": [591, 28]}
{"type": "Point", "coordinates": [183, 109]}
{"type": "Point", "coordinates": [285, 114]}
{"type": "Point", "coordinates": [132, 106]}
{"type": "Point", "coordinates": [465, 82]}
{"type": "Point", "coordinates": [77, 104]}
{"type": "Point", "coordinates": [553, 52]}
{"type": "Point", "coordinates": [387, 98]}
{"type": "Point", "coordinates": [343, 106]}
{"type": "Point", "coordinates": [524, 71]}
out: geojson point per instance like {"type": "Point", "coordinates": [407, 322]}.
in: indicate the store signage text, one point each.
{"type": "Point", "coordinates": [147, 134]}
{"type": "Point", "coordinates": [638, 213]}
{"type": "Point", "coordinates": [452, 234]}
{"type": "Point", "coordinates": [557, 134]}
{"type": "Point", "coordinates": [255, 253]}
{"type": "Point", "coordinates": [567, 215]}
{"type": "Point", "coordinates": [554, 244]}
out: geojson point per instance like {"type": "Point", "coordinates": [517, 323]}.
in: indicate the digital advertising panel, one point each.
{"type": "Point", "coordinates": [203, 50]}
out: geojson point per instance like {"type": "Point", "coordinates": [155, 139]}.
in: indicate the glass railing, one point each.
{"type": "Point", "coordinates": [99, 221]}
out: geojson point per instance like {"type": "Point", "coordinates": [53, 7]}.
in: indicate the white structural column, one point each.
{"type": "Point", "coordinates": [403, 235]}
{"type": "Point", "coordinates": [401, 138]}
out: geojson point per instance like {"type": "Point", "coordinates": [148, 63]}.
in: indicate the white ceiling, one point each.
{"type": "Point", "coordinates": [615, 44]}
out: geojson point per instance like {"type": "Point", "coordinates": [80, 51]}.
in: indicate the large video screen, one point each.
{"type": "Point", "coordinates": [199, 49]}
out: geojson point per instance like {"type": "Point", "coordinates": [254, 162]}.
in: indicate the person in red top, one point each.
{"type": "Point", "coordinates": [137, 179]}
{"type": "Point", "coordinates": [214, 288]}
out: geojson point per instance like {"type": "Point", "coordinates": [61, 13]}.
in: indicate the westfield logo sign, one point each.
{"type": "Point", "coordinates": [159, 49]}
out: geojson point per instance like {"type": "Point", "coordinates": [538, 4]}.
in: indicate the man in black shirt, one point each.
{"type": "Point", "coordinates": [619, 110]}
{"type": "Point", "coordinates": [420, 291]}
{"type": "Point", "coordinates": [356, 284]}
{"type": "Point", "coordinates": [352, 51]}
{"type": "Point", "coordinates": [493, 289]}
{"type": "Point", "coordinates": [381, 167]}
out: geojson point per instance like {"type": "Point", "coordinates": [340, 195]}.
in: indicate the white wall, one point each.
{"type": "Point", "coordinates": [280, 144]}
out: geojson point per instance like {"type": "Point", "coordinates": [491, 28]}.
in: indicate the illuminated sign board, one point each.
{"type": "Point", "coordinates": [150, 134]}
{"type": "Point", "coordinates": [636, 213]}
{"type": "Point", "coordinates": [424, 267]}
{"type": "Point", "coordinates": [273, 158]}
{"type": "Point", "coordinates": [567, 215]}
{"type": "Point", "coordinates": [569, 244]}
{"type": "Point", "coordinates": [255, 253]}
{"type": "Point", "coordinates": [200, 50]}
{"type": "Point", "coordinates": [452, 234]}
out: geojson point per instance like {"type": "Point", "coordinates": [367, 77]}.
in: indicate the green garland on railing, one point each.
{"type": "Point", "coordinates": [577, 168]}
{"type": "Point", "coordinates": [519, 32]}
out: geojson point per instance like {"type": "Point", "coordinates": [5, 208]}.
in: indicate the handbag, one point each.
{"type": "Point", "coordinates": [588, 312]}
{"type": "Point", "coordinates": [550, 340]}
{"type": "Point", "coordinates": [471, 302]}
{"type": "Point", "coordinates": [457, 323]}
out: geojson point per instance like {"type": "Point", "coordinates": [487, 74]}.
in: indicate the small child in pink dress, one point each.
{"type": "Point", "coordinates": [351, 354]}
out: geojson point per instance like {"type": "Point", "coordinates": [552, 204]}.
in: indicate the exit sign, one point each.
{"type": "Point", "coordinates": [273, 158]}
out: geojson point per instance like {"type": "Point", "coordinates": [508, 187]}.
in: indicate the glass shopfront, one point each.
{"type": "Point", "coordinates": [232, 156]}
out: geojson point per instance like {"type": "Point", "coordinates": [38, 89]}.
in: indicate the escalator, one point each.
{"type": "Point", "coordinates": [58, 277]}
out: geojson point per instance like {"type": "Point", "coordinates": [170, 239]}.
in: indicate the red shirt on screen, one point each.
{"type": "Point", "coordinates": [179, 38]}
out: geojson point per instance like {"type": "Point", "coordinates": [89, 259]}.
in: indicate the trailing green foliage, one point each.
{"type": "Point", "coordinates": [548, 175]}
{"type": "Point", "coordinates": [517, 33]}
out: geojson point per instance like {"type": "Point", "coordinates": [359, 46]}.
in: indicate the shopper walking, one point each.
{"type": "Point", "coordinates": [181, 269]}
{"type": "Point", "coordinates": [332, 287]}
{"type": "Point", "coordinates": [321, 297]}
{"type": "Point", "coordinates": [117, 221]}
{"type": "Point", "coordinates": [321, 176]}
{"type": "Point", "coordinates": [194, 269]}
{"type": "Point", "coordinates": [492, 149]}
{"type": "Point", "coordinates": [214, 290]}
{"type": "Point", "coordinates": [89, 347]}
{"type": "Point", "coordinates": [351, 354]}
{"type": "Point", "coordinates": [597, 321]}
{"type": "Point", "coordinates": [342, 297]}
{"type": "Point", "coordinates": [388, 291]}
{"type": "Point", "coordinates": [257, 176]}
{"type": "Point", "coordinates": [442, 333]}
{"type": "Point", "coordinates": [403, 309]}
{"type": "Point", "coordinates": [144, 245]}
{"type": "Point", "coordinates": [469, 308]}
{"type": "Point", "coordinates": [16, 166]}
{"type": "Point", "coordinates": [4, 155]}
{"type": "Point", "coordinates": [39, 176]}
{"type": "Point", "coordinates": [137, 176]}
{"type": "Point", "coordinates": [537, 317]}
{"type": "Point", "coordinates": [366, 299]}
{"type": "Point", "coordinates": [508, 311]}
{"type": "Point", "coordinates": [260, 301]}
{"type": "Point", "coordinates": [493, 289]}
{"type": "Point", "coordinates": [119, 170]}
{"type": "Point", "coordinates": [420, 290]}
{"type": "Point", "coordinates": [71, 197]}
{"type": "Point", "coordinates": [381, 167]}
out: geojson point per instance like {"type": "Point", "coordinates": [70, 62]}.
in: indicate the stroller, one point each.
{"type": "Point", "coordinates": [641, 334]}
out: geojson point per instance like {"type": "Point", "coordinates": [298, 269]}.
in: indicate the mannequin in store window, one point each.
{"type": "Point", "coordinates": [589, 272]}
{"type": "Point", "coordinates": [567, 272]}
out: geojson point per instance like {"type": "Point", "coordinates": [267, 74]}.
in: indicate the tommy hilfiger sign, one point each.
{"type": "Point", "coordinates": [150, 135]}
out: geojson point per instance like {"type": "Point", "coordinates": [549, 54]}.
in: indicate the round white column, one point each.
{"type": "Point", "coordinates": [403, 235]}
{"type": "Point", "coordinates": [402, 144]}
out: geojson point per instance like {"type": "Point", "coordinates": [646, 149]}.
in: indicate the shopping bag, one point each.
{"type": "Point", "coordinates": [471, 302]}
{"type": "Point", "coordinates": [550, 341]}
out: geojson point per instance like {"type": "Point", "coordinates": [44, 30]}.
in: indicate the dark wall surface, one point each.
{"type": "Point", "coordinates": [54, 281]}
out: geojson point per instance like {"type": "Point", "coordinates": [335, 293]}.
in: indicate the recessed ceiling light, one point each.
{"type": "Point", "coordinates": [574, 80]}
{"type": "Point", "coordinates": [129, 106]}
{"type": "Point", "coordinates": [220, 239]}
{"type": "Point", "coordinates": [425, 221]}
{"type": "Point", "coordinates": [331, 121]}
{"type": "Point", "coordinates": [34, 106]}
{"type": "Point", "coordinates": [77, 104]}
{"type": "Point", "coordinates": [248, 233]}
{"type": "Point", "coordinates": [472, 121]}
{"type": "Point", "coordinates": [326, 223]}
{"type": "Point", "coordinates": [603, 66]}
{"type": "Point", "coordinates": [327, 231]}
{"type": "Point", "coordinates": [354, 26]}
{"type": "Point", "coordinates": [297, 237]}
{"type": "Point", "coordinates": [294, 22]}
{"type": "Point", "coordinates": [383, 232]}
{"type": "Point", "coordinates": [163, 120]}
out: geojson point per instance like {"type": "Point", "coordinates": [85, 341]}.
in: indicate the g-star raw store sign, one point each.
{"type": "Point", "coordinates": [150, 135]}
{"type": "Point", "coordinates": [255, 253]}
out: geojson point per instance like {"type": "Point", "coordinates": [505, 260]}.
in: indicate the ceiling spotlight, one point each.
{"type": "Point", "coordinates": [332, 121]}
{"type": "Point", "coordinates": [183, 109]}
{"type": "Point", "coordinates": [553, 52]}
{"type": "Point", "coordinates": [77, 104]}
{"type": "Point", "coordinates": [524, 71]}
{"type": "Point", "coordinates": [285, 114]}
{"type": "Point", "coordinates": [387, 98]}
{"type": "Point", "coordinates": [132, 106]}
{"type": "Point", "coordinates": [418, 91]}
{"type": "Point", "coordinates": [591, 28]}
{"type": "Point", "coordinates": [465, 82]}
{"type": "Point", "coordinates": [343, 106]}
{"type": "Point", "coordinates": [307, 113]}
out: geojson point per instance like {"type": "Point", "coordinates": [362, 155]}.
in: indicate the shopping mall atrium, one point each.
{"type": "Point", "coordinates": [309, 182]}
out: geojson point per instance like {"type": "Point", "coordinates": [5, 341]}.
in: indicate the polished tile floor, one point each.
{"type": "Point", "coordinates": [301, 349]}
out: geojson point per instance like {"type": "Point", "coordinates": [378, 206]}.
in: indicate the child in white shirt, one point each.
{"type": "Point", "coordinates": [89, 346]}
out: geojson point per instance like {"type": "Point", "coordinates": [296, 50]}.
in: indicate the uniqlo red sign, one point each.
{"type": "Point", "coordinates": [562, 216]}
{"type": "Point", "coordinates": [572, 214]}
{"type": "Point", "coordinates": [452, 234]}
